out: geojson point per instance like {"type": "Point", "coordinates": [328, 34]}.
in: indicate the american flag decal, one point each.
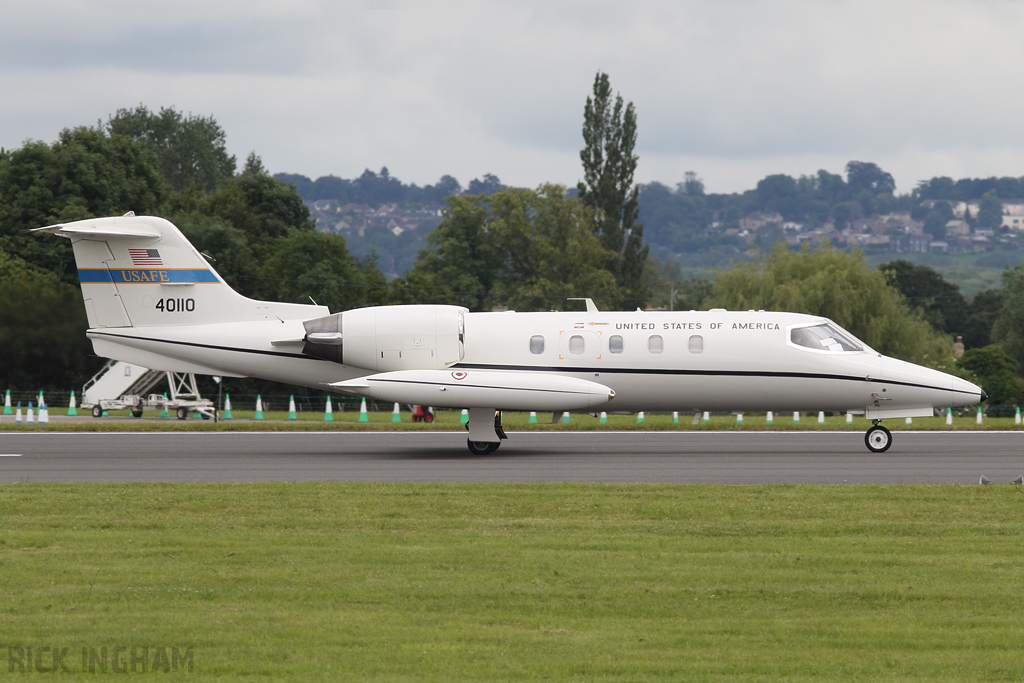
{"type": "Point", "coordinates": [145, 257]}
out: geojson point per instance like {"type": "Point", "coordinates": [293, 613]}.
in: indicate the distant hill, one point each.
{"type": "Point", "coordinates": [377, 213]}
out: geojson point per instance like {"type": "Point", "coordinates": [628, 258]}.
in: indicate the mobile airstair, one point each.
{"type": "Point", "coordinates": [123, 386]}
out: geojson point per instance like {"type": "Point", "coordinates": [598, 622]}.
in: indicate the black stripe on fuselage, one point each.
{"type": "Point", "coordinates": [700, 373]}
{"type": "Point", "coordinates": [235, 349]}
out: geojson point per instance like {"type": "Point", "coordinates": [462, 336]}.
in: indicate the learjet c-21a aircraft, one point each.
{"type": "Point", "coordinates": [152, 299]}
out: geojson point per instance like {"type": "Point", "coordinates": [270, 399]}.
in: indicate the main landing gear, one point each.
{"type": "Point", "coordinates": [485, 432]}
{"type": "Point", "coordinates": [878, 438]}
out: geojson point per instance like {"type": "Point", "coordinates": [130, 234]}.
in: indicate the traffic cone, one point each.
{"type": "Point", "coordinates": [227, 407]}
{"type": "Point", "coordinates": [706, 418]}
{"type": "Point", "coordinates": [675, 417]}
{"type": "Point", "coordinates": [17, 416]}
{"type": "Point", "coordinates": [821, 417]}
{"type": "Point", "coordinates": [796, 417]}
{"type": "Point", "coordinates": [396, 414]}
{"type": "Point", "coordinates": [739, 418]}
{"type": "Point", "coordinates": [978, 421]}
{"type": "Point", "coordinates": [7, 403]}
{"type": "Point", "coordinates": [604, 418]}
{"type": "Point", "coordinates": [329, 411]}
{"type": "Point", "coordinates": [565, 417]}
{"type": "Point", "coordinates": [41, 400]}
{"type": "Point", "coordinates": [533, 417]}
{"type": "Point", "coordinates": [72, 405]}
{"type": "Point", "coordinates": [949, 416]}
{"type": "Point", "coordinates": [849, 418]}
{"type": "Point", "coordinates": [363, 417]}
{"type": "Point", "coordinates": [1016, 418]}
{"type": "Point", "coordinates": [30, 418]}
{"type": "Point", "coordinates": [44, 414]}
{"type": "Point", "coordinates": [465, 417]}
{"type": "Point", "coordinates": [163, 411]}
{"type": "Point", "coordinates": [640, 418]}
{"type": "Point", "coordinates": [770, 418]}
{"type": "Point", "coordinates": [291, 408]}
{"type": "Point", "coordinates": [259, 407]}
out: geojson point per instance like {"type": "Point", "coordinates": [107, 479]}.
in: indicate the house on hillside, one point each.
{"type": "Point", "coordinates": [957, 227]}
{"type": "Point", "coordinates": [1013, 214]}
{"type": "Point", "coordinates": [912, 243]}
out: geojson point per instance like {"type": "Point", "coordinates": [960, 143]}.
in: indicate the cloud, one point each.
{"type": "Point", "coordinates": [733, 89]}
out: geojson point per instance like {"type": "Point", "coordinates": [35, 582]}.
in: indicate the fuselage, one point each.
{"type": "Point", "coordinates": [695, 360]}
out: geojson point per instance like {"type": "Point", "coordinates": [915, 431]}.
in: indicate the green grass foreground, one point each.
{"type": "Point", "coordinates": [491, 582]}
{"type": "Point", "coordinates": [448, 420]}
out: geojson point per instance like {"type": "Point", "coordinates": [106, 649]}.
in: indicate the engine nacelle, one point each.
{"type": "Point", "coordinates": [388, 338]}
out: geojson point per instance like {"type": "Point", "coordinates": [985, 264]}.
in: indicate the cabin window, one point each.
{"type": "Point", "coordinates": [576, 344]}
{"type": "Point", "coordinates": [655, 343]}
{"type": "Point", "coordinates": [696, 344]}
{"type": "Point", "coordinates": [615, 344]}
{"type": "Point", "coordinates": [824, 337]}
{"type": "Point", "coordinates": [537, 344]}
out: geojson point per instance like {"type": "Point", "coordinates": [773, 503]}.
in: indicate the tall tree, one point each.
{"type": "Point", "coordinates": [85, 173]}
{"type": "Point", "coordinates": [528, 249]}
{"type": "Point", "coordinates": [990, 210]}
{"type": "Point", "coordinates": [926, 290]}
{"type": "Point", "coordinates": [609, 135]}
{"type": "Point", "coordinates": [996, 372]}
{"type": "Point", "coordinates": [1008, 330]}
{"type": "Point", "coordinates": [189, 149]}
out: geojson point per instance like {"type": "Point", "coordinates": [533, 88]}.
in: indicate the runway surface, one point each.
{"type": "Point", "coordinates": [680, 457]}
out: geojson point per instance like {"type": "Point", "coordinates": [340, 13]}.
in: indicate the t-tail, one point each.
{"type": "Point", "coordinates": [140, 271]}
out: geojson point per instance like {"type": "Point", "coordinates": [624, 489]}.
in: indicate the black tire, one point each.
{"type": "Point", "coordinates": [482, 447]}
{"type": "Point", "coordinates": [182, 413]}
{"type": "Point", "coordinates": [429, 417]}
{"type": "Point", "coordinates": [97, 411]}
{"type": "Point", "coordinates": [878, 439]}
{"type": "Point", "coordinates": [136, 412]}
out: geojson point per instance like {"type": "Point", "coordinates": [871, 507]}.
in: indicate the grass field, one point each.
{"type": "Point", "coordinates": [449, 420]}
{"type": "Point", "coordinates": [411, 582]}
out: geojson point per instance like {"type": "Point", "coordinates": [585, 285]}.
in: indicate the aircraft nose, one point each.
{"type": "Point", "coordinates": [984, 395]}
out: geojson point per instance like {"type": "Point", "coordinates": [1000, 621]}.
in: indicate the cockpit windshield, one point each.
{"type": "Point", "coordinates": [824, 337]}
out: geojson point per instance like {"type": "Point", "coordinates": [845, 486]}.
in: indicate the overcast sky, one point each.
{"type": "Point", "coordinates": [732, 89]}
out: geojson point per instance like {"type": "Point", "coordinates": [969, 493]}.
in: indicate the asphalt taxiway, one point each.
{"type": "Point", "coordinates": [659, 457]}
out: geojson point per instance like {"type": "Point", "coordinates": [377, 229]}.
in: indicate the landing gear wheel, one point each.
{"type": "Point", "coordinates": [136, 412]}
{"type": "Point", "coordinates": [182, 413]}
{"type": "Point", "coordinates": [97, 411]}
{"type": "Point", "coordinates": [878, 439]}
{"type": "Point", "coordinates": [483, 447]}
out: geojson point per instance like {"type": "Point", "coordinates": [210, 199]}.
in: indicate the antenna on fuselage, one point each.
{"type": "Point", "coordinates": [591, 308]}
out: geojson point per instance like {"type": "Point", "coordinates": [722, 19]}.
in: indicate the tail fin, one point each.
{"type": "Point", "coordinates": [140, 271]}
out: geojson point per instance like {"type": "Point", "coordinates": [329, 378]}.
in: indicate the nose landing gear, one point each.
{"type": "Point", "coordinates": [878, 438]}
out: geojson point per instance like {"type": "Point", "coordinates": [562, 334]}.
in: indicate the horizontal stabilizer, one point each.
{"type": "Point", "coordinates": [462, 389]}
{"type": "Point", "coordinates": [99, 232]}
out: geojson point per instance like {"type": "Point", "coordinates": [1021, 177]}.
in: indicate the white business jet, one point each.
{"type": "Point", "coordinates": [154, 301]}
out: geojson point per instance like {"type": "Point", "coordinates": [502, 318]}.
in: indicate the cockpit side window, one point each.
{"type": "Point", "coordinates": [824, 337]}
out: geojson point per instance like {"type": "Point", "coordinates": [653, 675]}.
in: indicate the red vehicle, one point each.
{"type": "Point", "coordinates": [419, 414]}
